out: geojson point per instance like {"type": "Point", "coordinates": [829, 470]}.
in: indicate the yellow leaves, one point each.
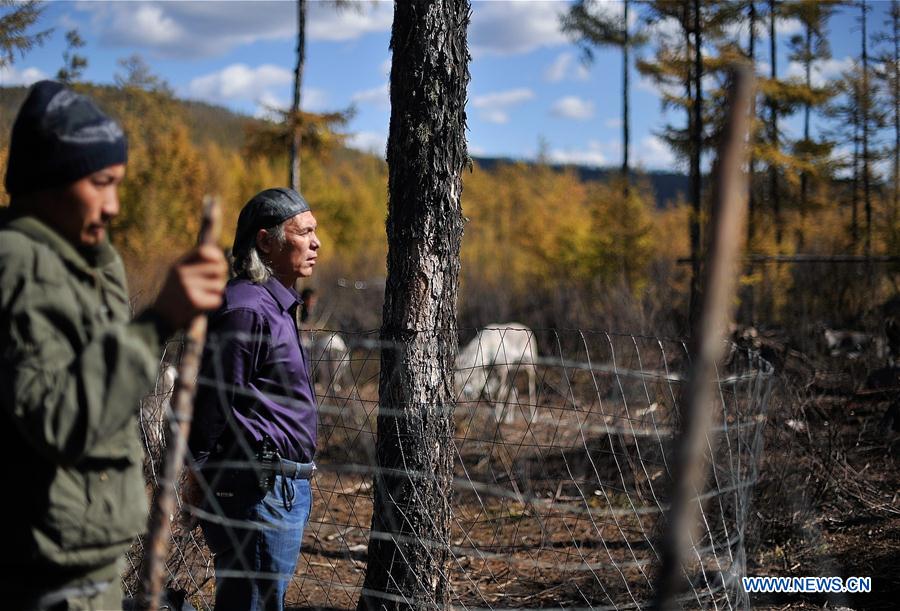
{"type": "Point", "coordinates": [536, 226]}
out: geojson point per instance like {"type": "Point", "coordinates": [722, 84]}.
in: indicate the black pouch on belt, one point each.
{"type": "Point", "coordinates": [268, 460]}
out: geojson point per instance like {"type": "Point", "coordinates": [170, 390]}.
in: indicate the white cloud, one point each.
{"type": "Point", "coordinates": [510, 28]}
{"type": "Point", "coordinates": [494, 106]}
{"type": "Point", "coordinates": [594, 155]}
{"type": "Point", "coordinates": [495, 116]}
{"type": "Point", "coordinates": [822, 71]}
{"type": "Point", "coordinates": [369, 142]}
{"type": "Point", "coordinates": [566, 66]}
{"type": "Point", "coordinates": [239, 82]}
{"type": "Point", "coordinates": [260, 85]}
{"type": "Point", "coordinates": [385, 68]}
{"type": "Point", "coordinates": [650, 153]}
{"type": "Point", "coordinates": [654, 154]}
{"type": "Point", "coordinates": [647, 84]}
{"type": "Point", "coordinates": [325, 21]}
{"type": "Point", "coordinates": [11, 76]}
{"type": "Point", "coordinates": [502, 98]}
{"type": "Point", "coordinates": [377, 96]}
{"type": "Point", "coordinates": [268, 104]}
{"type": "Point", "coordinates": [204, 29]}
{"type": "Point", "coordinates": [614, 123]}
{"type": "Point", "coordinates": [573, 107]}
{"type": "Point", "coordinates": [786, 27]}
{"type": "Point", "coordinates": [783, 27]}
{"type": "Point", "coordinates": [313, 100]}
{"type": "Point", "coordinates": [558, 69]}
{"type": "Point", "coordinates": [667, 29]}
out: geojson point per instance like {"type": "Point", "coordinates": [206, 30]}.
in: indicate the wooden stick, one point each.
{"type": "Point", "coordinates": [717, 306]}
{"type": "Point", "coordinates": [156, 546]}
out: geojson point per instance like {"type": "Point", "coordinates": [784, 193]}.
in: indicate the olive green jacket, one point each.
{"type": "Point", "coordinates": [72, 372]}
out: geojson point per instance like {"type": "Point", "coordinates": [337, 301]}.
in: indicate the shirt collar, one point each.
{"type": "Point", "coordinates": [286, 298]}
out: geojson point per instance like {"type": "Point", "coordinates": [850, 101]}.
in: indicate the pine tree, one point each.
{"type": "Point", "coordinates": [889, 76]}
{"type": "Point", "coordinates": [74, 64]}
{"type": "Point", "coordinates": [807, 49]}
{"type": "Point", "coordinates": [681, 65]}
{"type": "Point", "coordinates": [15, 25]}
{"type": "Point", "coordinates": [592, 26]}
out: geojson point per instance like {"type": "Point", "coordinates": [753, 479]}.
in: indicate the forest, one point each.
{"type": "Point", "coordinates": [605, 264]}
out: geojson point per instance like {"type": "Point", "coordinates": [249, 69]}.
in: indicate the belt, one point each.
{"type": "Point", "coordinates": [296, 470]}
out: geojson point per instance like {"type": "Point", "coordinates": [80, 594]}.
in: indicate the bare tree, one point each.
{"type": "Point", "coordinates": [295, 118]}
{"type": "Point", "coordinates": [774, 186]}
{"type": "Point", "coordinates": [295, 107]}
{"type": "Point", "coordinates": [409, 546]}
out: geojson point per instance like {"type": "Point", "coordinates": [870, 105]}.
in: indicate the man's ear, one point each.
{"type": "Point", "coordinates": [263, 241]}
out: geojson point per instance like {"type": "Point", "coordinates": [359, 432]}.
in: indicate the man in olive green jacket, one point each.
{"type": "Point", "coordinates": [73, 367]}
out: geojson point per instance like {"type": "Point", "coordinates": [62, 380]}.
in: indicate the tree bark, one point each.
{"type": "Point", "coordinates": [409, 544]}
{"type": "Point", "coordinates": [295, 107]}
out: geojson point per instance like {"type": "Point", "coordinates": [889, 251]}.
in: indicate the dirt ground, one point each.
{"type": "Point", "coordinates": [827, 503]}
{"type": "Point", "coordinates": [827, 499]}
{"type": "Point", "coordinates": [846, 522]}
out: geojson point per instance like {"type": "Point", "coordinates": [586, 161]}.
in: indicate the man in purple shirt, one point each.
{"type": "Point", "coordinates": [253, 438]}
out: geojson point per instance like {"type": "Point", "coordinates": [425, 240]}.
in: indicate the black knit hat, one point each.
{"type": "Point", "coordinates": [59, 137]}
{"type": "Point", "coordinates": [265, 210]}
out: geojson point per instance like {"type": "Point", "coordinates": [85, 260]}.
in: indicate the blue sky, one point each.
{"type": "Point", "coordinates": [528, 84]}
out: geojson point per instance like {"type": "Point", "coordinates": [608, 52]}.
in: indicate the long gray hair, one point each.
{"type": "Point", "coordinates": [252, 264]}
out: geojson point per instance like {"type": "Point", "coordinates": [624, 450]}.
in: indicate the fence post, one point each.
{"type": "Point", "coordinates": [727, 221]}
{"type": "Point", "coordinates": [156, 546]}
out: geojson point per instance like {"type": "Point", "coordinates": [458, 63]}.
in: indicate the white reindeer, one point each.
{"type": "Point", "coordinates": [489, 364]}
{"type": "Point", "coordinates": [329, 358]}
{"type": "Point", "coordinates": [156, 407]}
{"type": "Point", "coordinates": [853, 344]}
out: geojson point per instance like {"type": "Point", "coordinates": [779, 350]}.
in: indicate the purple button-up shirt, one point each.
{"type": "Point", "coordinates": [255, 377]}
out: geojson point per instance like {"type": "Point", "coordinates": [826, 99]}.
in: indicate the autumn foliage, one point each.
{"type": "Point", "coordinates": [541, 244]}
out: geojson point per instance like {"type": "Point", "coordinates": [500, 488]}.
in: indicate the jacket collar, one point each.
{"type": "Point", "coordinates": [40, 232]}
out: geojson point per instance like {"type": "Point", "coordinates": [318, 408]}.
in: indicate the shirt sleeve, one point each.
{"type": "Point", "coordinates": [69, 397]}
{"type": "Point", "coordinates": [234, 341]}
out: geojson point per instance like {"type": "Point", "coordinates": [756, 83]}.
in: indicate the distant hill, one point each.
{"type": "Point", "coordinates": [667, 186]}
{"type": "Point", "coordinates": [210, 123]}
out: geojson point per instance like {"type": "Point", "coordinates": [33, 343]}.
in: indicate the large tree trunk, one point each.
{"type": "Point", "coordinates": [409, 545]}
{"type": "Point", "coordinates": [295, 107]}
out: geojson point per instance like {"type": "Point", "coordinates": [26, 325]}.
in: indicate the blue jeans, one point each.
{"type": "Point", "coordinates": [254, 563]}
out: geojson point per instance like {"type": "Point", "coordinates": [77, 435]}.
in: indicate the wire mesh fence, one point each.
{"type": "Point", "coordinates": [563, 443]}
